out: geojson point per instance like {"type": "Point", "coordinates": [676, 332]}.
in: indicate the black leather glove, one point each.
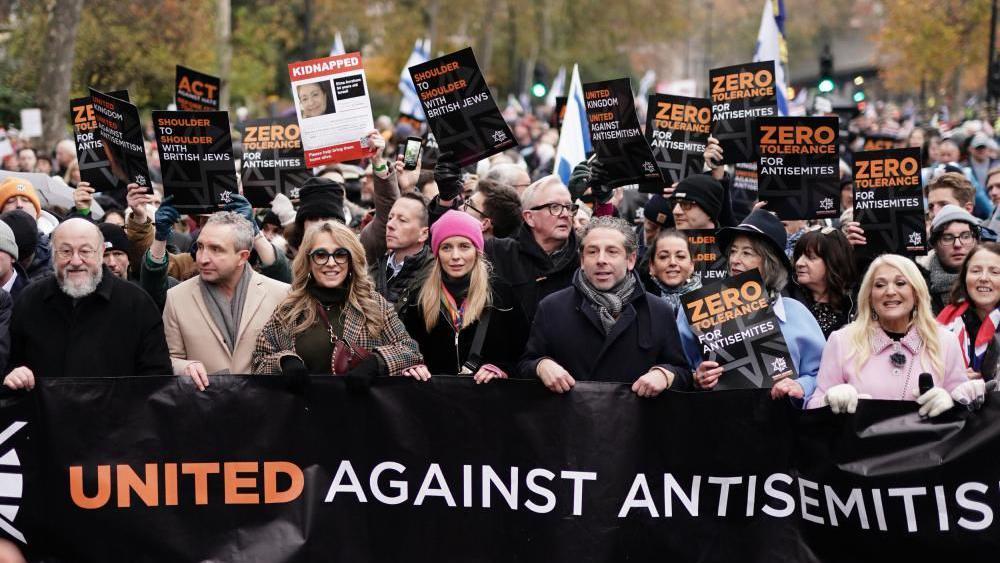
{"type": "Point", "coordinates": [599, 180]}
{"type": "Point", "coordinates": [579, 180]}
{"type": "Point", "coordinates": [448, 176]}
{"type": "Point", "coordinates": [361, 377]}
{"type": "Point", "coordinates": [295, 372]}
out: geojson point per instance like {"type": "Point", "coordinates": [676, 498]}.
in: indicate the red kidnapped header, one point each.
{"type": "Point", "coordinates": [324, 67]}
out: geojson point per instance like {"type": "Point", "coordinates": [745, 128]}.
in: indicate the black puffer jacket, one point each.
{"type": "Point", "coordinates": [395, 289]}
{"type": "Point", "coordinates": [502, 346]}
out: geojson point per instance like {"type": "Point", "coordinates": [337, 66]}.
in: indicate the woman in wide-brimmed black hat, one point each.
{"type": "Point", "coordinates": [759, 243]}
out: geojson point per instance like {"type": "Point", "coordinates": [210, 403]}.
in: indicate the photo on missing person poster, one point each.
{"type": "Point", "coordinates": [95, 168]}
{"type": "Point", "coordinates": [273, 162]}
{"type": "Point", "coordinates": [196, 91]}
{"type": "Point", "coordinates": [460, 108]}
{"type": "Point", "coordinates": [798, 166]}
{"type": "Point", "coordinates": [196, 159]}
{"type": "Point", "coordinates": [741, 94]}
{"type": "Point", "coordinates": [616, 137]}
{"type": "Point", "coordinates": [735, 326]}
{"type": "Point", "coordinates": [121, 136]}
{"type": "Point", "coordinates": [889, 202]}
{"type": "Point", "coordinates": [709, 262]}
{"type": "Point", "coordinates": [677, 129]}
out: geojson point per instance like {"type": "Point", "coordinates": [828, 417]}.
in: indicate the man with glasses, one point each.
{"type": "Point", "coordinates": [84, 321]}
{"type": "Point", "coordinates": [497, 207]}
{"type": "Point", "coordinates": [954, 233]}
{"type": "Point", "coordinates": [212, 320]}
{"type": "Point", "coordinates": [697, 202]}
{"type": "Point", "coordinates": [541, 256]}
{"type": "Point", "coordinates": [510, 174]}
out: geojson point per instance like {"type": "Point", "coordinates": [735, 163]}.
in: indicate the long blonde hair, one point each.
{"type": "Point", "coordinates": [860, 331]}
{"type": "Point", "coordinates": [477, 300]}
{"type": "Point", "coordinates": [298, 311]}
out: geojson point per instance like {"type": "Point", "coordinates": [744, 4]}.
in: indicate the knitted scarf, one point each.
{"type": "Point", "coordinates": [951, 318]}
{"type": "Point", "coordinates": [672, 295]}
{"type": "Point", "coordinates": [608, 304]}
{"type": "Point", "coordinates": [941, 281]}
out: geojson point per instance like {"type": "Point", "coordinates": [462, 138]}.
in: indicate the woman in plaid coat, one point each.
{"type": "Point", "coordinates": [332, 298]}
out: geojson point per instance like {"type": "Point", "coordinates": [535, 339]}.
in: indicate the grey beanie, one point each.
{"type": "Point", "coordinates": [7, 242]}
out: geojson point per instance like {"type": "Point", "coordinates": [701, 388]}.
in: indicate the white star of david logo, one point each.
{"type": "Point", "coordinates": [779, 365]}
{"type": "Point", "coordinates": [826, 203]}
{"type": "Point", "coordinates": [499, 136]}
{"type": "Point", "coordinates": [226, 196]}
{"type": "Point", "coordinates": [916, 238]}
{"type": "Point", "coordinates": [140, 179]}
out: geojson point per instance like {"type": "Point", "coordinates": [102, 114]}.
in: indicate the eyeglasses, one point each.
{"type": "Point", "coordinates": [965, 238]}
{"type": "Point", "coordinates": [467, 205]}
{"type": "Point", "coordinates": [685, 204]}
{"type": "Point", "coordinates": [556, 209]}
{"type": "Point", "coordinates": [85, 254]}
{"type": "Point", "coordinates": [321, 256]}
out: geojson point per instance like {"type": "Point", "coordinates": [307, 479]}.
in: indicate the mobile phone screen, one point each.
{"type": "Point", "coordinates": [412, 154]}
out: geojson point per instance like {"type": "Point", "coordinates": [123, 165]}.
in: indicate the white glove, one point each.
{"type": "Point", "coordinates": [282, 207]}
{"type": "Point", "coordinates": [934, 402]}
{"type": "Point", "coordinates": [842, 398]}
{"type": "Point", "coordinates": [972, 392]}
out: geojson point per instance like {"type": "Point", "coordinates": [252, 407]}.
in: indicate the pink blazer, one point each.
{"type": "Point", "coordinates": [876, 377]}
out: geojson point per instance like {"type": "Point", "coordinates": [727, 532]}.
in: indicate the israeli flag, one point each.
{"type": "Point", "coordinates": [771, 47]}
{"type": "Point", "coordinates": [558, 85]}
{"type": "Point", "coordinates": [410, 104]}
{"type": "Point", "coordinates": [574, 138]}
{"type": "Point", "coordinates": [338, 46]}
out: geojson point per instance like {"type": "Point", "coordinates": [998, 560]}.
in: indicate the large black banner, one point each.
{"type": "Point", "coordinates": [797, 166]}
{"type": "Point", "coordinates": [271, 469]}
{"type": "Point", "coordinates": [617, 138]}
{"type": "Point", "coordinates": [196, 157]}
{"type": "Point", "coordinates": [94, 165]}
{"type": "Point", "coordinates": [460, 108]}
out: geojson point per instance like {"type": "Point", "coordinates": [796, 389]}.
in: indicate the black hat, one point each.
{"type": "Point", "coordinates": [270, 218]}
{"type": "Point", "coordinates": [25, 229]}
{"type": "Point", "coordinates": [704, 190]}
{"type": "Point", "coordinates": [658, 210]}
{"type": "Point", "coordinates": [760, 224]}
{"type": "Point", "coordinates": [114, 237]}
{"type": "Point", "coordinates": [320, 198]}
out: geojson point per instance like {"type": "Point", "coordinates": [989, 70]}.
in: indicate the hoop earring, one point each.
{"type": "Point", "coordinates": [874, 314]}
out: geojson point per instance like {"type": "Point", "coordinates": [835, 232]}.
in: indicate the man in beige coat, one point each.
{"type": "Point", "coordinates": [211, 321]}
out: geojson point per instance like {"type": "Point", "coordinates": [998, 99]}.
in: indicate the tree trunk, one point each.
{"type": "Point", "coordinates": [224, 50]}
{"type": "Point", "coordinates": [55, 69]}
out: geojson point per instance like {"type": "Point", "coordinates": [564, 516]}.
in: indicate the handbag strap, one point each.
{"type": "Point", "coordinates": [329, 327]}
{"type": "Point", "coordinates": [474, 360]}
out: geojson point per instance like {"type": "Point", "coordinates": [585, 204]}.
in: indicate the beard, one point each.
{"type": "Point", "coordinates": [82, 288]}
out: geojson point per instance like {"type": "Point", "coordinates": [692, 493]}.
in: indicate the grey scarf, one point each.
{"type": "Point", "coordinates": [608, 304]}
{"type": "Point", "coordinates": [941, 281]}
{"type": "Point", "coordinates": [672, 295]}
{"type": "Point", "coordinates": [227, 313]}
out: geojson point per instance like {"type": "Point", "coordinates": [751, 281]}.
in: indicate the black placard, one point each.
{"type": "Point", "coordinates": [196, 157]}
{"type": "Point", "coordinates": [889, 202]}
{"type": "Point", "coordinates": [677, 128]}
{"type": "Point", "coordinates": [736, 326]}
{"type": "Point", "coordinates": [94, 165]}
{"type": "Point", "coordinates": [617, 138]}
{"type": "Point", "coordinates": [121, 136]}
{"type": "Point", "coordinates": [798, 166]}
{"type": "Point", "coordinates": [878, 142]}
{"type": "Point", "coordinates": [460, 108]}
{"type": "Point", "coordinates": [709, 262]}
{"type": "Point", "coordinates": [196, 91]}
{"type": "Point", "coordinates": [741, 94]}
{"type": "Point", "coordinates": [273, 161]}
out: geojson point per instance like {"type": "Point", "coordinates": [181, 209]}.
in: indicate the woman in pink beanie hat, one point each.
{"type": "Point", "coordinates": [455, 296]}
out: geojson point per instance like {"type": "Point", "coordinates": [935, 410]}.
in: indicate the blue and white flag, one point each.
{"type": "Point", "coordinates": [771, 47]}
{"type": "Point", "coordinates": [338, 46]}
{"type": "Point", "coordinates": [574, 137]}
{"type": "Point", "coordinates": [410, 104]}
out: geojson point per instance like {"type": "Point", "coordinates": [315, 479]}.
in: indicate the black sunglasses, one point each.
{"type": "Point", "coordinates": [321, 256]}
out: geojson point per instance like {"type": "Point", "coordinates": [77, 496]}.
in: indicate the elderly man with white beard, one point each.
{"type": "Point", "coordinates": [84, 321]}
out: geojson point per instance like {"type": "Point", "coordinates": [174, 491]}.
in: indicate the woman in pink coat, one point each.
{"type": "Point", "coordinates": [894, 339]}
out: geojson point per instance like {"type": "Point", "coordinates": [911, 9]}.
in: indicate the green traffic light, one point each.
{"type": "Point", "coordinates": [859, 96]}
{"type": "Point", "coordinates": [538, 90]}
{"type": "Point", "coordinates": [826, 86]}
